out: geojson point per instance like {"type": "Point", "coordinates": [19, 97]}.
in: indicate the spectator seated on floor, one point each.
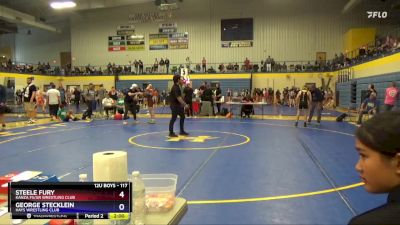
{"type": "Point", "coordinates": [71, 116]}
{"type": "Point", "coordinates": [247, 110]}
{"type": "Point", "coordinates": [62, 114]}
{"type": "Point", "coordinates": [370, 106]}
{"type": "Point", "coordinates": [330, 104]}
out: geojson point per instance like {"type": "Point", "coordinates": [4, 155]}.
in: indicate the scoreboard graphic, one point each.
{"type": "Point", "coordinates": [70, 200]}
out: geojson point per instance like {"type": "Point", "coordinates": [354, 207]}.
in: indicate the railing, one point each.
{"type": "Point", "coordinates": [368, 53]}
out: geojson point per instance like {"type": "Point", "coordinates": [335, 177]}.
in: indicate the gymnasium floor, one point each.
{"type": "Point", "coordinates": [231, 171]}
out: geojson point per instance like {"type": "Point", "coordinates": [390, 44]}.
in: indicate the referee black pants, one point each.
{"type": "Point", "coordinates": [177, 110]}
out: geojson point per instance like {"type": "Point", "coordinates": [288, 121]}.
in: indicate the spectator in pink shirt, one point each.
{"type": "Point", "coordinates": [391, 96]}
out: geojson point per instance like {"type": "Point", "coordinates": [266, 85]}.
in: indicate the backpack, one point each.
{"type": "Point", "coordinates": [224, 111]}
{"type": "Point", "coordinates": [341, 117]}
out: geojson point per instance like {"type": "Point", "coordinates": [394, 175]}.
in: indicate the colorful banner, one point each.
{"type": "Point", "coordinates": [158, 41]}
{"type": "Point", "coordinates": [236, 44]}
{"type": "Point", "coordinates": [116, 43]}
{"type": "Point", "coordinates": [179, 41]}
{"type": "Point", "coordinates": [135, 43]}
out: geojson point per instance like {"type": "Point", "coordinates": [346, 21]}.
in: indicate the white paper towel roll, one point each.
{"type": "Point", "coordinates": [110, 166]}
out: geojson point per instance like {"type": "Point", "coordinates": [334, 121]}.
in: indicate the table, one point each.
{"type": "Point", "coordinates": [169, 218]}
{"type": "Point", "coordinates": [262, 104]}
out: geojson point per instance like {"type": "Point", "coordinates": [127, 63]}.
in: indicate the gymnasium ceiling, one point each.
{"type": "Point", "coordinates": [42, 14]}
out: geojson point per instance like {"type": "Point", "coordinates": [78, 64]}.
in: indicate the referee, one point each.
{"type": "Point", "coordinates": [177, 106]}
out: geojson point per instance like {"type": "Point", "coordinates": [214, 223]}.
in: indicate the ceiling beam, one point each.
{"type": "Point", "coordinates": [17, 17]}
{"type": "Point", "coordinates": [350, 5]}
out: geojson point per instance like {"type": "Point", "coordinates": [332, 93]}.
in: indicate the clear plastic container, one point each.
{"type": "Point", "coordinates": [160, 191]}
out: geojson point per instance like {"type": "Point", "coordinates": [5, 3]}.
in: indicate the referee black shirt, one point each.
{"type": "Point", "coordinates": [175, 93]}
{"type": "Point", "coordinates": [388, 213]}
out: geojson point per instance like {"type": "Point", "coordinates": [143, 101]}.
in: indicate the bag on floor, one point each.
{"type": "Point", "coordinates": [224, 111]}
{"type": "Point", "coordinates": [341, 117]}
{"type": "Point", "coordinates": [118, 116]}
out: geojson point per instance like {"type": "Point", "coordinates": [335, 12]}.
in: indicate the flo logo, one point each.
{"type": "Point", "coordinates": [376, 14]}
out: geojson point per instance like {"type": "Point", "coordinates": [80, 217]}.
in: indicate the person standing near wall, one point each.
{"type": "Point", "coordinates": [30, 100]}
{"type": "Point", "coordinates": [218, 96]}
{"type": "Point", "coordinates": [167, 64]}
{"type": "Point", "coordinates": [392, 93]}
{"type": "Point", "coordinates": [178, 106]}
{"type": "Point", "coordinates": [204, 64]}
{"type": "Point", "coordinates": [3, 106]}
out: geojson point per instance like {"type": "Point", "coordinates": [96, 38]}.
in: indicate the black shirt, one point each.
{"type": "Point", "coordinates": [188, 91]}
{"type": "Point", "coordinates": [317, 95]}
{"type": "Point", "coordinates": [175, 93]}
{"type": "Point", "coordinates": [30, 89]}
{"type": "Point", "coordinates": [77, 94]}
{"type": "Point", "coordinates": [388, 213]}
{"type": "Point", "coordinates": [130, 99]}
{"type": "Point", "coordinates": [207, 95]}
{"type": "Point", "coordinates": [218, 92]}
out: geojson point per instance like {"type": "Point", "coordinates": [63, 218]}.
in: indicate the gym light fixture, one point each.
{"type": "Point", "coordinates": [63, 5]}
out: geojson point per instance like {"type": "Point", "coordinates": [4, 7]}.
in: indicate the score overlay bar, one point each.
{"type": "Point", "coordinates": [70, 200]}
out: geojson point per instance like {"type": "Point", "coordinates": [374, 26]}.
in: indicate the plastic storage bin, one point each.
{"type": "Point", "coordinates": [160, 191]}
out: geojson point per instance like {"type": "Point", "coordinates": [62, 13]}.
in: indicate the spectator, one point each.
{"type": "Point", "coordinates": [90, 99]}
{"type": "Point", "coordinates": [369, 106]}
{"type": "Point", "coordinates": [62, 113]}
{"type": "Point", "coordinates": [3, 106]}
{"type": "Point", "coordinates": [167, 64]}
{"type": "Point", "coordinates": [54, 100]}
{"type": "Point", "coordinates": [188, 93]}
{"type": "Point", "coordinates": [77, 95]}
{"type": "Point", "coordinates": [204, 64]}
{"type": "Point", "coordinates": [377, 143]}
{"type": "Point", "coordinates": [218, 96]}
{"type": "Point", "coordinates": [392, 93]}
{"type": "Point", "coordinates": [149, 95]}
{"type": "Point", "coordinates": [108, 104]}
{"type": "Point", "coordinates": [155, 66]}
{"type": "Point", "coordinates": [246, 109]}
{"type": "Point", "coordinates": [162, 65]}
{"type": "Point", "coordinates": [30, 100]}
{"type": "Point", "coordinates": [247, 64]}
{"type": "Point", "coordinates": [141, 67]}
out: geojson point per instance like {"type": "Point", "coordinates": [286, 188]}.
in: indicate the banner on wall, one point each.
{"type": "Point", "coordinates": [116, 43]}
{"type": "Point", "coordinates": [237, 44]}
{"type": "Point", "coordinates": [168, 28]}
{"type": "Point", "coordinates": [125, 30]}
{"type": "Point", "coordinates": [178, 41]}
{"type": "Point", "coordinates": [158, 41]}
{"type": "Point", "coordinates": [135, 43]}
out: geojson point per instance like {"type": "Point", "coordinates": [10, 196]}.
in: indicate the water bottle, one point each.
{"type": "Point", "coordinates": [83, 178]}
{"type": "Point", "coordinates": [139, 207]}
